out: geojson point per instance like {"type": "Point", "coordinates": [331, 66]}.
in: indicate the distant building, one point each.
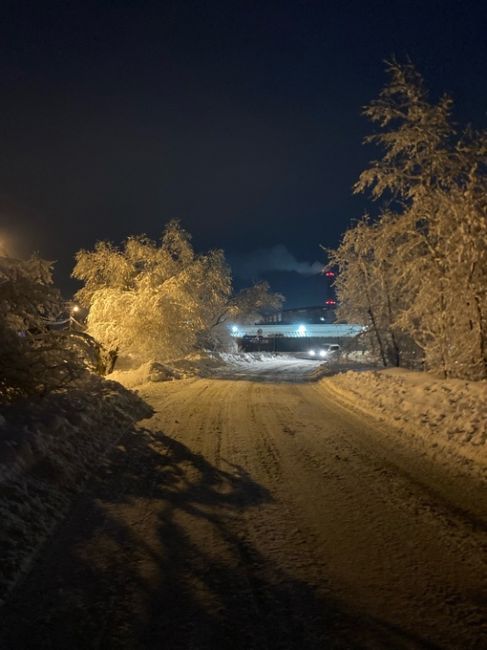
{"type": "Point", "coordinates": [294, 330]}
{"type": "Point", "coordinates": [308, 315]}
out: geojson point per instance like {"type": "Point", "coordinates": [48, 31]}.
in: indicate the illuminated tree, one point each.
{"type": "Point", "coordinates": [427, 252]}
{"type": "Point", "coordinates": [159, 301]}
{"type": "Point", "coordinates": [34, 357]}
{"type": "Point", "coordinates": [366, 288]}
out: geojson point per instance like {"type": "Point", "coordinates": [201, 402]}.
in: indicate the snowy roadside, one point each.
{"type": "Point", "coordinates": [48, 448]}
{"type": "Point", "coordinates": [198, 365]}
{"type": "Point", "coordinates": [449, 414]}
{"type": "Point", "coordinates": [207, 365]}
{"type": "Point", "coordinates": [260, 366]}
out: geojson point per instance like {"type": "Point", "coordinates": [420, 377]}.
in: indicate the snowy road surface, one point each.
{"type": "Point", "coordinates": [273, 368]}
{"type": "Point", "coordinates": [259, 514]}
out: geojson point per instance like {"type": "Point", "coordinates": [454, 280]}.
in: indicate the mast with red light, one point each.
{"type": "Point", "coordinates": [330, 302]}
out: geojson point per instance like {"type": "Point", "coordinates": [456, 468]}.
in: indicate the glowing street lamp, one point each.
{"type": "Point", "coordinates": [74, 310]}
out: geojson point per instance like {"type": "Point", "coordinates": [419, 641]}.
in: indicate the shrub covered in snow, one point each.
{"type": "Point", "coordinates": [57, 417]}
{"type": "Point", "coordinates": [34, 358]}
{"type": "Point", "coordinates": [48, 447]}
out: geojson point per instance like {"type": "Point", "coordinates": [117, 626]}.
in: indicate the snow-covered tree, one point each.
{"type": "Point", "coordinates": [34, 358]}
{"type": "Point", "coordinates": [244, 307]}
{"type": "Point", "coordinates": [366, 288]}
{"type": "Point", "coordinates": [159, 300]}
{"type": "Point", "coordinates": [427, 251]}
{"type": "Point", "coordinates": [444, 270]}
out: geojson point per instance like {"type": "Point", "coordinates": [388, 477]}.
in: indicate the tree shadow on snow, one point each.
{"type": "Point", "coordinates": [154, 557]}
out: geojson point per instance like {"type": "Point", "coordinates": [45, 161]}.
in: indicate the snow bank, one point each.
{"type": "Point", "coordinates": [360, 357]}
{"type": "Point", "coordinates": [147, 372]}
{"type": "Point", "coordinates": [47, 449]}
{"type": "Point", "coordinates": [450, 413]}
{"type": "Point", "coordinates": [200, 364]}
{"type": "Point", "coordinates": [193, 365]}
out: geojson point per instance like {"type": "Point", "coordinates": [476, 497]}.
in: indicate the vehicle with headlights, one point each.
{"type": "Point", "coordinates": [327, 351]}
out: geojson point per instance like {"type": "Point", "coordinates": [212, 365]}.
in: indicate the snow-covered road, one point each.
{"type": "Point", "coordinates": [259, 514]}
{"type": "Point", "coordinates": [271, 368]}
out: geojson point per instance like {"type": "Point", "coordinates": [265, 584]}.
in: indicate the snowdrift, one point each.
{"type": "Point", "coordinates": [199, 364]}
{"type": "Point", "coordinates": [449, 413]}
{"type": "Point", "coordinates": [48, 448]}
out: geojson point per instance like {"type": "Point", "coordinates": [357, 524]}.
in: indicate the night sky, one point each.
{"type": "Point", "coordinates": [242, 119]}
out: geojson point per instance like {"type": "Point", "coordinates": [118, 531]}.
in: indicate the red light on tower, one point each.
{"type": "Point", "coordinates": [330, 302]}
{"type": "Point", "coordinates": [329, 274]}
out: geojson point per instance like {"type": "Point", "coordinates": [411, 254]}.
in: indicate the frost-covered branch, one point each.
{"type": "Point", "coordinates": [161, 300]}
{"type": "Point", "coordinates": [418, 272]}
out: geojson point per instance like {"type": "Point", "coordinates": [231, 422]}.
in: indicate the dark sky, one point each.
{"type": "Point", "coordinates": [240, 118]}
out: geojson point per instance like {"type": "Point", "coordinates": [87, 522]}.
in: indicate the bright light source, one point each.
{"type": "Point", "coordinates": [75, 309]}
{"type": "Point", "coordinates": [301, 330]}
{"type": "Point", "coordinates": [311, 353]}
{"type": "Point", "coordinates": [234, 329]}
{"type": "Point", "coordinates": [322, 353]}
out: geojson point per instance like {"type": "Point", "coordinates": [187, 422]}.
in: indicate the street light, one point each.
{"type": "Point", "coordinates": [75, 309]}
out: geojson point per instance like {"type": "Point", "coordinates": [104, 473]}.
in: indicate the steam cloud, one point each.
{"type": "Point", "coordinates": [277, 258]}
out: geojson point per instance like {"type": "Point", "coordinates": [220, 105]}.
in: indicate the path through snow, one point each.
{"type": "Point", "coordinates": [250, 514]}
